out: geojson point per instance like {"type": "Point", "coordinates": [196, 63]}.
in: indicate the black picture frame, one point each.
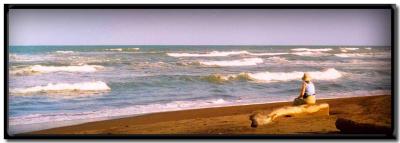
{"type": "Point", "coordinates": [394, 72]}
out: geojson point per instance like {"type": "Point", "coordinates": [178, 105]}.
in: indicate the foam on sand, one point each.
{"type": "Point", "coordinates": [241, 62]}
{"type": "Point", "coordinates": [210, 54]}
{"type": "Point", "coordinates": [117, 112]}
{"type": "Point", "coordinates": [311, 50]}
{"type": "Point", "coordinates": [37, 69]}
{"type": "Point", "coordinates": [64, 87]}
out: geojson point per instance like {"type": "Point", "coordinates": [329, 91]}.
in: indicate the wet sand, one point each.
{"type": "Point", "coordinates": [371, 110]}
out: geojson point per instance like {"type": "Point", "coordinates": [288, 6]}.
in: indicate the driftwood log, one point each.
{"type": "Point", "coordinates": [259, 119]}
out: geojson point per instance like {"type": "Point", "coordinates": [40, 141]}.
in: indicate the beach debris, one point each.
{"type": "Point", "coordinates": [349, 126]}
{"type": "Point", "coordinates": [259, 119]}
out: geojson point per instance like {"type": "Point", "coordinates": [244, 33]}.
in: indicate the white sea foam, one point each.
{"type": "Point", "coordinates": [63, 87]}
{"type": "Point", "coordinates": [312, 50]}
{"type": "Point", "coordinates": [278, 59]}
{"type": "Point", "coordinates": [117, 112]}
{"type": "Point", "coordinates": [65, 52]}
{"type": "Point", "coordinates": [267, 54]}
{"type": "Point", "coordinates": [311, 54]}
{"type": "Point", "coordinates": [27, 58]}
{"type": "Point", "coordinates": [353, 62]}
{"type": "Point", "coordinates": [116, 49]}
{"type": "Point", "coordinates": [210, 54]}
{"type": "Point", "coordinates": [36, 69]}
{"type": "Point", "coordinates": [123, 49]}
{"type": "Point", "coordinates": [368, 48]}
{"type": "Point", "coordinates": [302, 52]}
{"type": "Point", "coordinates": [134, 48]}
{"type": "Point", "coordinates": [351, 55]}
{"type": "Point", "coordinates": [362, 55]}
{"type": "Point", "coordinates": [328, 74]}
{"type": "Point", "coordinates": [241, 62]}
{"type": "Point", "coordinates": [350, 49]}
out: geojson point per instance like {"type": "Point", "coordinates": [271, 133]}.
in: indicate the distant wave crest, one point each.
{"type": "Point", "coordinates": [267, 54]}
{"type": "Point", "coordinates": [241, 62]}
{"type": "Point", "coordinates": [312, 50]}
{"type": "Point", "coordinates": [26, 58]}
{"type": "Point", "coordinates": [362, 55]}
{"type": "Point", "coordinates": [37, 69]}
{"type": "Point", "coordinates": [346, 49]}
{"type": "Point", "coordinates": [123, 49]}
{"type": "Point", "coordinates": [278, 59]}
{"type": "Point", "coordinates": [64, 87]}
{"type": "Point", "coordinates": [210, 54]}
{"type": "Point", "coordinates": [311, 54]}
{"type": "Point", "coordinates": [299, 52]}
{"type": "Point", "coordinates": [351, 49]}
{"type": "Point", "coordinates": [64, 52]}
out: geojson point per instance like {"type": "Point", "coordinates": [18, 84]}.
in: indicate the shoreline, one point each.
{"type": "Point", "coordinates": [21, 129]}
{"type": "Point", "coordinates": [234, 119]}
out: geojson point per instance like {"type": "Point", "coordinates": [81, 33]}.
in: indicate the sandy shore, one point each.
{"type": "Point", "coordinates": [375, 110]}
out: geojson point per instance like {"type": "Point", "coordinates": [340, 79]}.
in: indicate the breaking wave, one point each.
{"type": "Point", "coordinates": [37, 69]}
{"type": "Point", "coordinates": [64, 87]}
{"type": "Point", "coordinates": [278, 59]}
{"type": "Point", "coordinates": [312, 50]}
{"type": "Point", "coordinates": [350, 49]}
{"type": "Point", "coordinates": [27, 58]}
{"type": "Point", "coordinates": [328, 74]}
{"type": "Point", "coordinates": [362, 55]}
{"type": "Point", "coordinates": [267, 54]}
{"type": "Point", "coordinates": [310, 54]}
{"type": "Point", "coordinates": [210, 54]}
{"type": "Point", "coordinates": [241, 62]}
{"type": "Point", "coordinates": [123, 49]}
{"type": "Point", "coordinates": [219, 78]}
{"type": "Point", "coordinates": [64, 52]}
{"type": "Point", "coordinates": [300, 52]}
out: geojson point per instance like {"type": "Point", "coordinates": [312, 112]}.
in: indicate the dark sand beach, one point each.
{"type": "Point", "coordinates": [373, 111]}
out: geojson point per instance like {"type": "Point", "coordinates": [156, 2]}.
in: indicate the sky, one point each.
{"type": "Point", "coordinates": [363, 27]}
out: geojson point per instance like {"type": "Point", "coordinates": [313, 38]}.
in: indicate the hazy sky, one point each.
{"type": "Point", "coordinates": [199, 27]}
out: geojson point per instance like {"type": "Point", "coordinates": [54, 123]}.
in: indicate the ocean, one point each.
{"type": "Point", "coordinates": [52, 86]}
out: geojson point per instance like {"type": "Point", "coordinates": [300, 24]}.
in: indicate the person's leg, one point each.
{"type": "Point", "coordinates": [310, 99]}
